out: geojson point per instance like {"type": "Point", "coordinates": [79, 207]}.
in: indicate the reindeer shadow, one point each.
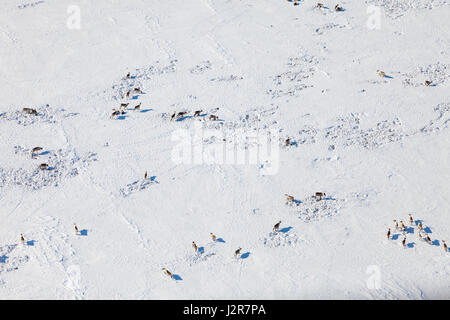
{"type": "Point", "coordinates": [409, 230]}
{"type": "Point", "coordinates": [395, 236]}
{"type": "Point", "coordinates": [220, 240]}
{"type": "Point", "coordinates": [183, 118]}
{"type": "Point", "coordinates": [84, 233]}
{"type": "Point", "coordinates": [411, 245]}
{"type": "Point", "coordinates": [146, 110]}
{"type": "Point", "coordinates": [3, 258]}
{"type": "Point", "coordinates": [329, 199]}
{"type": "Point", "coordinates": [386, 76]}
{"type": "Point", "coordinates": [417, 222]}
{"type": "Point", "coordinates": [176, 277]}
{"type": "Point", "coordinates": [435, 243]}
{"type": "Point", "coordinates": [245, 255]}
{"type": "Point", "coordinates": [44, 153]}
{"type": "Point", "coordinates": [285, 230]}
{"type": "Point", "coordinates": [201, 250]}
{"type": "Point", "coordinates": [122, 117]}
{"type": "Point", "coordinates": [31, 243]}
{"type": "Point", "coordinates": [427, 230]}
{"type": "Point", "coordinates": [297, 202]}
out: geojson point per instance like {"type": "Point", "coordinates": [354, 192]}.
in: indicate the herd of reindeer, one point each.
{"type": "Point", "coordinates": [401, 227]}
{"type": "Point", "coordinates": [318, 196]}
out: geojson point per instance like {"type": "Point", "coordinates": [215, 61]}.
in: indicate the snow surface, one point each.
{"type": "Point", "coordinates": [378, 146]}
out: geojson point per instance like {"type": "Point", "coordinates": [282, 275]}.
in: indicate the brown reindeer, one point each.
{"type": "Point", "coordinates": [75, 228]}
{"type": "Point", "coordinates": [115, 113]}
{"type": "Point", "coordinates": [319, 195]}
{"type": "Point", "coordinates": [289, 198]}
{"type": "Point", "coordinates": [213, 236]}
{"type": "Point", "coordinates": [411, 220]}
{"type": "Point", "coordinates": [389, 234]}
{"type": "Point", "coordinates": [276, 226]}
{"type": "Point", "coordinates": [237, 253]}
{"type": "Point", "coordinates": [194, 246]}
{"type": "Point", "coordinates": [29, 111]}
{"type": "Point", "coordinates": [167, 272]}
{"type": "Point", "coordinates": [43, 166]}
{"type": "Point", "coordinates": [381, 73]}
{"type": "Point", "coordinates": [338, 8]}
{"type": "Point", "coordinates": [287, 142]}
{"type": "Point", "coordinates": [197, 113]}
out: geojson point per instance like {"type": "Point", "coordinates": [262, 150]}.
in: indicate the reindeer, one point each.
{"type": "Point", "coordinates": [128, 75]}
{"type": "Point", "coordinates": [75, 228]}
{"type": "Point", "coordinates": [419, 225]}
{"type": "Point", "coordinates": [319, 5]}
{"type": "Point", "coordinates": [213, 236]}
{"type": "Point", "coordinates": [396, 225]}
{"type": "Point", "coordinates": [411, 220]}
{"type": "Point", "coordinates": [403, 225]}
{"type": "Point", "coordinates": [115, 113]}
{"type": "Point", "coordinates": [123, 105]}
{"type": "Point", "coordinates": [276, 226]}
{"type": "Point", "coordinates": [22, 239]}
{"type": "Point", "coordinates": [381, 73]}
{"type": "Point", "coordinates": [389, 234]}
{"type": "Point", "coordinates": [338, 8]}
{"type": "Point", "coordinates": [167, 272]}
{"type": "Point", "coordinates": [145, 175]}
{"type": "Point", "coordinates": [428, 239]}
{"type": "Point", "coordinates": [35, 150]}
{"type": "Point", "coordinates": [287, 142]}
{"type": "Point", "coordinates": [43, 166]}
{"type": "Point", "coordinates": [428, 83]}
{"type": "Point", "coordinates": [181, 114]}
{"type": "Point", "coordinates": [29, 111]}
{"type": "Point", "coordinates": [319, 195]}
{"type": "Point", "coordinates": [404, 241]}
{"type": "Point", "coordinates": [445, 246]}
{"type": "Point", "coordinates": [197, 113]}
{"type": "Point", "coordinates": [194, 246]}
{"type": "Point", "coordinates": [137, 90]}
{"type": "Point", "coordinates": [213, 117]}
{"type": "Point", "coordinates": [172, 116]}
{"type": "Point", "coordinates": [237, 253]}
{"type": "Point", "coordinates": [138, 107]}
{"type": "Point", "coordinates": [128, 94]}
{"type": "Point", "coordinates": [290, 199]}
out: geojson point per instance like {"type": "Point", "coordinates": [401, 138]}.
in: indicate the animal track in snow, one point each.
{"type": "Point", "coordinates": [62, 164]}
{"type": "Point", "coordinates": [139, 77]}
{"type": "Point", "coordinates": [46, 114]}
{"type": "Point", "coordinates": [294, 80]}
{"type": "Point", "coordinates": [396, 8]}
{"type": "Point", "coordinates": [438, 73]}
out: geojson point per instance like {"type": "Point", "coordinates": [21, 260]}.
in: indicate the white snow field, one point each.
{"type": "Point", "coordinates": [377, 145]}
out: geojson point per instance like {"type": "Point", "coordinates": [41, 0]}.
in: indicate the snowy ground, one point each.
{"type": "Point", "coordinates": [378, 146]}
